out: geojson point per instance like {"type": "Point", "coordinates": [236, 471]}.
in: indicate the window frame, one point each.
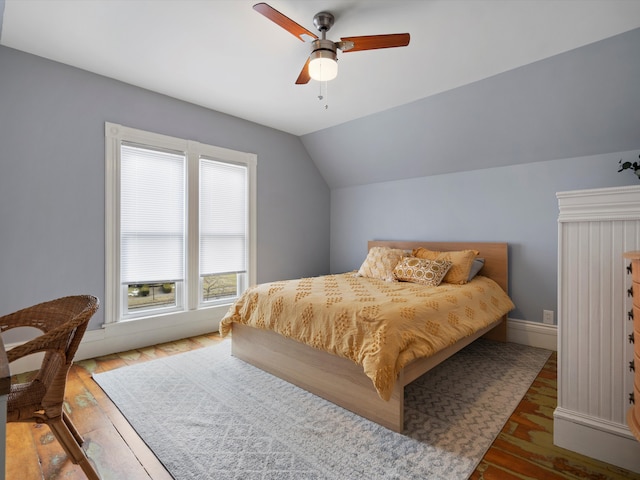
{"type": "Point", "coordinates": [115, 135]}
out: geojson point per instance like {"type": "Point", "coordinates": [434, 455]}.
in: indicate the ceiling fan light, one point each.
{"type": "Point", "coordinates": [323, 65]}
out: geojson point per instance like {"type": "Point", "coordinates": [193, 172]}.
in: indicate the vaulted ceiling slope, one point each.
{"type": "Point", "coordinates": [575, 104]}
{"type": "Point", "coordinates": [223, 55]}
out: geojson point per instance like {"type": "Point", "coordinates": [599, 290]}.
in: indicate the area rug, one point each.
{"type": "Point", "coordinates": [208, 415]}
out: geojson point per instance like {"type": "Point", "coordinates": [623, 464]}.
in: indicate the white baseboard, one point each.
{"type": "Point", "coordinates": [605, 441]}
{"type": "Point", "coordinates": [533, 334]}
{"type": "Point", "coordinates": [123, 336]}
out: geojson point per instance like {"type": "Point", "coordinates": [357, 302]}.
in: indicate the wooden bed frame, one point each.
{"type": "Point", "coordinates": [342, 381]}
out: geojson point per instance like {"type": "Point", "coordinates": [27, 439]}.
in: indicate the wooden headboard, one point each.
{"type": "Point", "coordinates": [496, 264]}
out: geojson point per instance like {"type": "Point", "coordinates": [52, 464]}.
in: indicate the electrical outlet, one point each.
{"type": "Point", "coordinates": [547, 317]}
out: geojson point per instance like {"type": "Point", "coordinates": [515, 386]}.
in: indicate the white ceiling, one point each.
{"type": "Point", "coordinates": [223, 55]}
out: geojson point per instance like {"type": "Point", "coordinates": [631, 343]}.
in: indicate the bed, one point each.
{"type": "Point", "coordinates": [341, 377]}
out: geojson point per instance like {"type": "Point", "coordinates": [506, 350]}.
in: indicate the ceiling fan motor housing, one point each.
{"type": "Point", "coordinates": [323, 48]}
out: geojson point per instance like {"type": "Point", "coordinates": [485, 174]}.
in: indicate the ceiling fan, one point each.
{"type": "Point", "coordinates": [322, 63]}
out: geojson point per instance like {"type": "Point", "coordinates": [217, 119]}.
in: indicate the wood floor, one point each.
{"type": "Point", "coordinates": [523, 450]}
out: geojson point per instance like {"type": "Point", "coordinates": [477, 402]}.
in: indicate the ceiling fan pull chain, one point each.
{"type": "Point", "coordinates": [326, 94]}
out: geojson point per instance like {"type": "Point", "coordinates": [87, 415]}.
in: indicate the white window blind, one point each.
{"type": "Point", "coordinates": [164, 224]}
{"type": "Point", "coordinates": [152, 215]}
{"type": "Point", "coordinates": [223, 217]}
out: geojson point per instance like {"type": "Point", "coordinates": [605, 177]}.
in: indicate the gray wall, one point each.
{"type": "Point", "coordinates": [514, 140]}
{"type": "Point", "coordinates": [515, 204]}
{"type": "Point", "coordinates": [52, 179]}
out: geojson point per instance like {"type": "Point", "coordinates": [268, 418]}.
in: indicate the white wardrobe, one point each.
{"type": "Point", "coordinates": [595, 376]}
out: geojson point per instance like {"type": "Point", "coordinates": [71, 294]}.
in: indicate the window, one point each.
{"type": "Point", "coordinates": [180, 221]}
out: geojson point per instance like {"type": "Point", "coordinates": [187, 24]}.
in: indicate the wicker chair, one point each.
{"type": "Point", "coordinates": [63, 323]}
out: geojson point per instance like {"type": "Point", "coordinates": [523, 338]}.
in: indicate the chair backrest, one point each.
{"type": "Point", "coordinates": [63, 322]}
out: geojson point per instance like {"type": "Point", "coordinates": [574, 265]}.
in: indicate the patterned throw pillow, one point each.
{"type": "Point", "coordinates": [420, 270]}
{"type": "Point", "coordinates": [380, 263]}
{"type": "Point", "coordinates": [461, 262]}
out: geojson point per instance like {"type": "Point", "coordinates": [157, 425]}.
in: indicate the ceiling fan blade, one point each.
{"type": "Point", "coordinates": [304, 76]}
{"type": "Point", "coordinates": [372, 42]}
{"type": "Point", "coordinates": [285, 22]}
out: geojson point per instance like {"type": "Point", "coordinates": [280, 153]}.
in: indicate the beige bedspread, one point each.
{"type": "Point", "coordinates": [379, 325]}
